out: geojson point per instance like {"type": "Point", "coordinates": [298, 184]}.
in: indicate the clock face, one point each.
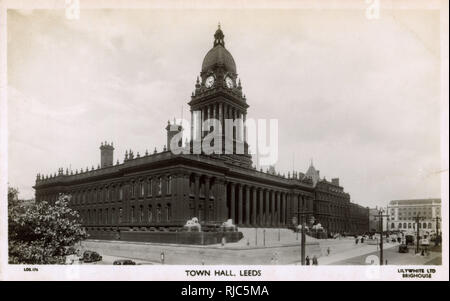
{"type": "Point", "coordinates": [209, 81]}
{"type": "Point", "coordinates": [229, 82]}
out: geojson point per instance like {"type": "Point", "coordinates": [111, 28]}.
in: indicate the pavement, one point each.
{"type": "Point", "coordinates": [262, 246]}
{"type": "Point", "coordinates": [391, 256]}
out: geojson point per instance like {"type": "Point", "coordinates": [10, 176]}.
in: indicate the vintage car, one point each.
{"type": "Point", "coordinates": [91, 256]}
{"type": "Point", "coordinates": [403, 248]}
{"type": "Point", "coordinates": [124, 262]}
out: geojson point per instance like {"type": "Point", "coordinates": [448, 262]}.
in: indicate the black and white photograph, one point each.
{"type": "Point", "coordinates": [273, 140]}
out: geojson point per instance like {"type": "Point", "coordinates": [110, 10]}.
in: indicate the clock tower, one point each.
{"type": "Point", "coordinates": [218, 96]}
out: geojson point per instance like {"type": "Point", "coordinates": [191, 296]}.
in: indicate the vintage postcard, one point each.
{"type": "Point", "coordinates": [224, 140]}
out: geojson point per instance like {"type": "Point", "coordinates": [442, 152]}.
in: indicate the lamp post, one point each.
{"type": "Point", "coordinates": [417, 220]}
{"type": "Point", "coordinates": [303, 235]}
{"type": "Point", "coordinates": [380, 216]}
{"type": "Point", "coordinates": [436, 241]}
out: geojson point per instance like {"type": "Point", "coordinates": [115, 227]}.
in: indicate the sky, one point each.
{"type": "Point", "coordinates": [359, 97]}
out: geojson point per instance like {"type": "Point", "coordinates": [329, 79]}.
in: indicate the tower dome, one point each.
{"type": "Point", "coordinates": [219, 55]}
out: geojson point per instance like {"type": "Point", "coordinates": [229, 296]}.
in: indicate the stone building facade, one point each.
{"type": "Point", "coordinates": [403, 213]}
{"type": "Point", "coordinates": [162, 190]}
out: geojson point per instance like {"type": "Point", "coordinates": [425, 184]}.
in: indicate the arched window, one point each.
{"type": "Point", "coordinates": [100, 221]}
{"type": "Point", "coordinates": [149, 187]}
{"type": "Point", "coordinates": [168, 212]}
{"type": "Point", "coordinates": [200, 212]}
{"type": "Point", "coordinates": [120, 215]}
{"type": "Point", "coordinates": [111, 193]}
{"type": "Point", "coordinates": [159, 186]}
{"type": "Point", "coordinates": [393, 226]}
{"type": "Point", "coordinates": [169, 185]}
{"type": "Point", "coordinates": [429, 225]}
{"type": "Point", "coordinates": [136, 189]}
{"type": "Point", "coordinates": [106, 215]}
{"type": "Point", "coordinates": [132, 214]}
{"type": "Point", "coordinates": [141, 213]}
{"type": "Point", "coordinates": [95, 216]}
{"type": "Point", "coordinates": [120, 193]}
{"type": "Point", "coordinates": [141, 189]}
{"type": "Point", "coordinates": [158, 213]}
{"type": "Point", "coordinates": [400, 225]}
{"type": "Point", "coordinates": [424, 225]}
{"type": "Point", "coordinates": [132, 190]}
{"type": "Point", "coordinates": [113, 215]}
{"type": "Point", "coordinates": [409, 225]}
{"type": "Point", "coordinates": [150, 214]}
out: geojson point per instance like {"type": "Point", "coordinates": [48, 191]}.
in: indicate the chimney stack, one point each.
{"type": "Point", "coordinates": [106, 154]}
{"type": "Point", "coordinates": [172, 131]}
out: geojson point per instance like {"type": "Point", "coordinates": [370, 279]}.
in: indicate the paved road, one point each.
{"type": "Point", "coordinates": [393, 257]}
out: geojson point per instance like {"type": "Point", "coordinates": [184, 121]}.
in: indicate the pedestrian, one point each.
{"type": "Point", "coordinates": [307, 260]}
{"type": "Point", "coordinates": [315, 261]}
{"type": "Point", "coordinates": [328, 251]}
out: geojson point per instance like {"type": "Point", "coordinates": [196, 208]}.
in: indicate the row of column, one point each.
{"type": "Point", "coordinates": [220, 111]}
{"type": "Point", "coordinates": [255, 206]}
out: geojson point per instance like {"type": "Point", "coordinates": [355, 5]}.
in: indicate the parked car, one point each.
{"type": "Point", "coordinates": [124, 262]}
{"type": "Point", "coordinates": [403, 248]}
{"type": "Point", "coordinates": [91, 256]}
{"type": "Point", "coordinates": [409, 239]}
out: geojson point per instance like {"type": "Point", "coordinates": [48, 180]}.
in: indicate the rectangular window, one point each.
{"type": "Point", "coordinates": [120, 215]}
{"type": "Point", "coordinates": [132, 214]}
{"type": "Point", "coordinates": [132, 190]}
{"type": "Point", "coordinates": [159, 186]}
{"type": "Point", "coordinates": [149, 187]}
{"type": "Point", "coordinates": [113, 215]}
{"type": "Point", "coordinates": [150, 214]}
{"type": "Point", "coordinates": [169, 185]}
{"type": "Point", "coordinates": [120, 193]}
{"type": "Point", "coordinates": [141, 184]}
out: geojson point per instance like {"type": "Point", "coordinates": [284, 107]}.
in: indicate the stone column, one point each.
{"type": "Point", "coordinates": [232, 203]}
{"type": "Point", "coordinates": [206, 200]}
{"type": "Point", "coordinates": [221, 201]}
{"type": "Point", "coordinates": [261, 207]}
{"type": "Point", "coordinates": [247, 205]}
{"type": "Point", "coordinates": [196, 194]}
{"type": "Point", "coordinates": [254, 208]}
{"type": "Point", "coordinates": [272, 208]}
{"type": "Point", "coordinates": [240, 204]}
{"type": "Point", "coordinates": [283, 205]}
{"type": "Point", "coordinates": [267, 211]}
{"type": "Point", "coordinates": [278, 208]}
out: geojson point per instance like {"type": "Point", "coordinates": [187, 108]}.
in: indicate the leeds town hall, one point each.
{"type": "Point", "coordinates": [160, 191]}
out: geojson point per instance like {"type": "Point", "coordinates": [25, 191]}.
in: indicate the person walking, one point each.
{"type": "Point", "coordinates": [328, 251]}
{"type": "Point", "coordinates": [307, 260]}
{"type": "Point", "coordinates": [315, 261]}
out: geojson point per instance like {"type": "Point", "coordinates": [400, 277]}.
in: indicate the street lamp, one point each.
{"type": "Point", "coordinates": [303, 225]}
{"type": "Point", "coordinates": [417, 220]}
{"type": "Point", "coordinates": [380, 216]}
{"type": "Point", "coordinates": [436, 241]}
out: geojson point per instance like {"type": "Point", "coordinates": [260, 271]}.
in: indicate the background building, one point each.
{"type": "Point", "coordinates": [374, 220]}
{"type": "Point", "coordinates": [402, 214]}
